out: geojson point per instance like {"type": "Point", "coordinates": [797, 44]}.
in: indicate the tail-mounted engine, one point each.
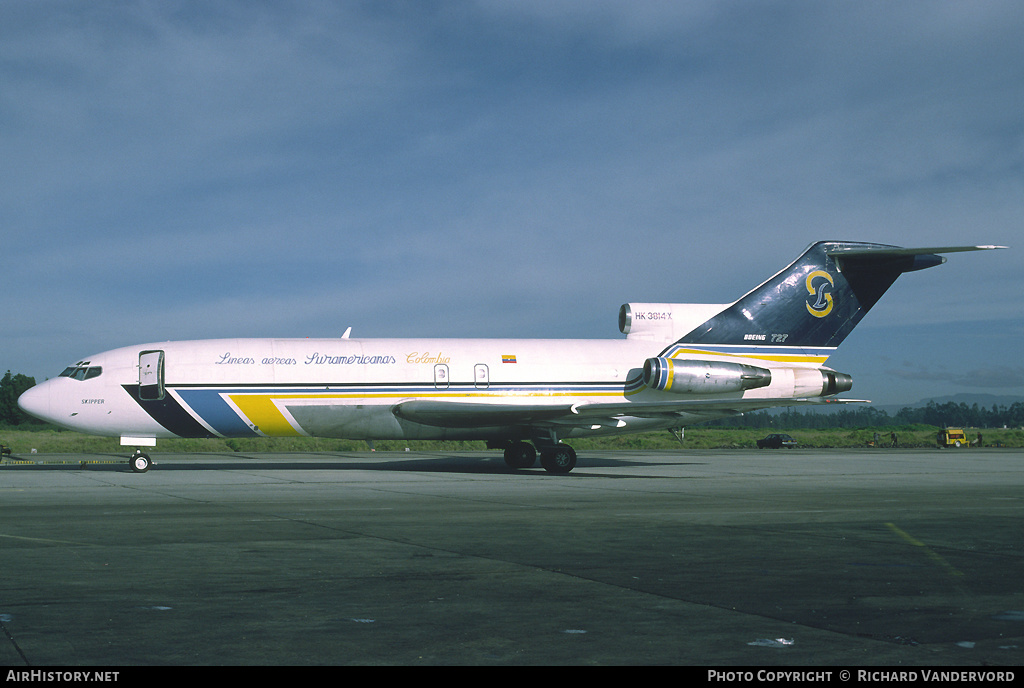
{"type": "Point", "coordinates": [682, 376]}
{"type": "Point", "coordinates": [820, 382]}
{"type": "Point", "coordinates": [663, 321]}
{"type": "Point", "coordinates": [703, 377]}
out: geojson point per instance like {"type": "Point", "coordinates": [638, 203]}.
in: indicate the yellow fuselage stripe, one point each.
{"type": "Point", "coordinates": [775, 358]}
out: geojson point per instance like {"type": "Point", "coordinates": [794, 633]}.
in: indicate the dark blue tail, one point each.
{"type": "Point", "coordinates": [815, 302]}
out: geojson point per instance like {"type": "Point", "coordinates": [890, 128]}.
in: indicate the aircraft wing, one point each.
{"type": "Point", "coordinates": [454, 414]}
{"type": "Point", "coordinates": [719, 406]}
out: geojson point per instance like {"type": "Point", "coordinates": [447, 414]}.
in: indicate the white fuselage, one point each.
{"type": "Point", "coordinates": [349, 388]}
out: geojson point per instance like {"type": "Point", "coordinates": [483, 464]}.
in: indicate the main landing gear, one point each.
{"type": "Point", "coordinates": [140, 462]}
{"type": "Point", "coordinates": [561, 458]}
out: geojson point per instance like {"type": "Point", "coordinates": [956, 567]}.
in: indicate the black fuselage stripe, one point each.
{"type": "Point", "coordinates": [169, 413]}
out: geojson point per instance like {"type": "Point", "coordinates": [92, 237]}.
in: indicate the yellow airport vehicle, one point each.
{"type": "Point", "coordinates": [953, 437]}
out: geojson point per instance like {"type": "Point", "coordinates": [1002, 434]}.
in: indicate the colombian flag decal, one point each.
{"type": "Point", "coordinates": [508, 358]}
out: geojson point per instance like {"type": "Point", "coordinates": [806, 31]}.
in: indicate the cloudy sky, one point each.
{"type": "Point", "coordinates": [179, 170]}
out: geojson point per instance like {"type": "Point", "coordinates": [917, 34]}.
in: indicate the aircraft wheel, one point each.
{"type": "Point", "coordinates": [520, 455]}
{"type": "Point", "coordinates": [140, 462]}
{"type": "Point", "coordinates": [561, 459]}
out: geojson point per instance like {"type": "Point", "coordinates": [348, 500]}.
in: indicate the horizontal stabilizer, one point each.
{"type": "Point", "coordinates": [877, 256]}
{"type": "Point", "coordinates": [881, 251]}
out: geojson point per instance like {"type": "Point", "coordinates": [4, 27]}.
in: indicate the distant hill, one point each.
{"type": "Point", "coordinates": [959, 410]}
{"type": "Point", "coordinates": [982, 400]}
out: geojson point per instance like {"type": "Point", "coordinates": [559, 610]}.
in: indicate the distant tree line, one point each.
{"type": "Point", "coordinates": [856, 416]}
{"type": "Point", "coordinates": [11, 387]}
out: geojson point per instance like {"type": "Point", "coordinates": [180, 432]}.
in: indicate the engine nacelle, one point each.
{"type": "Point", "coordinates": [646, 318]}
{"type": "Point", "coordinates": [703, 377]}
{"type": "Point", "coordinates": [820, 382]}
{"type": "Point", "coordinates": [663, 321]}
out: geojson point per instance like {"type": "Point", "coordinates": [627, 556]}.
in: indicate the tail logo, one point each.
{"type": "Point", "coordinates": [819, 287]}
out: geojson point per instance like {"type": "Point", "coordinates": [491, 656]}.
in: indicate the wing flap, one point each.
{"type": "Point", "coordinates": [455, 414]}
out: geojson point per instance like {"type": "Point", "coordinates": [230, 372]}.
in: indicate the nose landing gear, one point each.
{"type": "Point", "coordinates": [140, 462]}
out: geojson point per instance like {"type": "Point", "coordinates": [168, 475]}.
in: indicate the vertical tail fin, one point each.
{"type": "Point", "coordinates": [806, 310]}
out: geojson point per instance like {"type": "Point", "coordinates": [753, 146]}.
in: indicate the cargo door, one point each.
{"type": "Point", "coordinates": [151, 375]}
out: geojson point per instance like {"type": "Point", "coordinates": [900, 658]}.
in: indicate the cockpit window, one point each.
{"type": "Point", "coordinates": [82, 372]}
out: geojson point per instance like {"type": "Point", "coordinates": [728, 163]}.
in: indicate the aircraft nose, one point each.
{"type": "Point", "coordinates": [35, 401]}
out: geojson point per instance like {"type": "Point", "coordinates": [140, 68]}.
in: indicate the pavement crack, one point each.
{"type": "Point", "coordinates": [14, 643]}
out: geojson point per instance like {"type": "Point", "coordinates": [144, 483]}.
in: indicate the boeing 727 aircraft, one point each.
{"type": "Point", "coordinates": [678, 364]}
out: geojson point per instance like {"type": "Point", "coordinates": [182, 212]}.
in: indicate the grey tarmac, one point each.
{"type": "Point", "coordinates": [709, 558]}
